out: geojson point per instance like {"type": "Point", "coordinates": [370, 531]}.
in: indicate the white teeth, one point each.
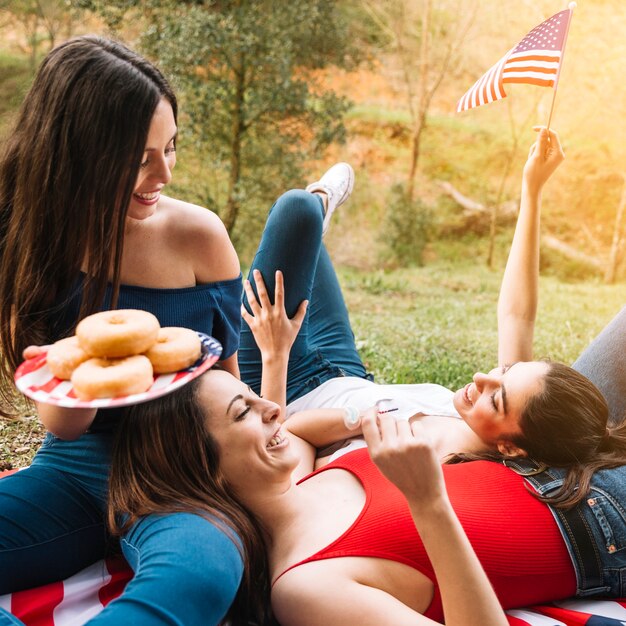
{"type": "Point", "coordinates": [467, 396]}
{"type": "Point", "coordinates": [275, 440]}
{"type": "Point", "coordinates": [148, 196]}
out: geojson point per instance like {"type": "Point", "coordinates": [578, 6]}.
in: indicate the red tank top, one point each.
{"type": "Point", "coordinates": [514, 535]}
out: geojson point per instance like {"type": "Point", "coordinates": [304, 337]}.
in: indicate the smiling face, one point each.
{"type": "Point", "coordinates": [254, 447]}
{"type": "Point", "coordinates": [492, 404]}
{"type": "Point", "coordinates": [158, 161]}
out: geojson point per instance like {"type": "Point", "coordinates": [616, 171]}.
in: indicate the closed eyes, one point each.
{"type": "Point", "coordinates": [242, 415]}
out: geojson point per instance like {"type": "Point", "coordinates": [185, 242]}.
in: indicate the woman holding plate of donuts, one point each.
{"type": "Point", "coordinates": [86, 227]}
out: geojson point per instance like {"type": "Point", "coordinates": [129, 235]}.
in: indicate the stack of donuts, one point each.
{"type": "Point", "coordinates": [117, 353]}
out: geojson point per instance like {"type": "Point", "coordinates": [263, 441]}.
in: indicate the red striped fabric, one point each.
{"type": "Point", "coordinates": [35, 607]}
{"type": "Point", "coordinates": [74, 601]}
{"type": "Point", "coordinates": [534, 61]}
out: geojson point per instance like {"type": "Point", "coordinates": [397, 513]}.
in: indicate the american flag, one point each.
{"type": "Point", "coordinates": [534, 61]}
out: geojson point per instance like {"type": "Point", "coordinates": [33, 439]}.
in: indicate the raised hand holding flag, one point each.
{"type": "Point", "coordinates": [536, 60]}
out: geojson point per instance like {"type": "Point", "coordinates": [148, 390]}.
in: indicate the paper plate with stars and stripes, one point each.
{"type": "Point", "coordinates": [35, 380]}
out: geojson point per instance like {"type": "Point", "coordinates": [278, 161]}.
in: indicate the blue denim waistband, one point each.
{"type": "Point", "coordinates": [594, 530]}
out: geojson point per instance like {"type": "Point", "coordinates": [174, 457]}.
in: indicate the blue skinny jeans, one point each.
{"type": "Point", "coordinates": [324, 348]}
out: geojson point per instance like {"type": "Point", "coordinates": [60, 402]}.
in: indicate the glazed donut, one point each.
{"type": "Point", "coordinates": [120, 333]}
{"type": "Point", "coordinates": [175, 349]}
{"type": "Point", "coordinates": [111, 378]}
{"type": "Point", "coordinates": [65, 356]}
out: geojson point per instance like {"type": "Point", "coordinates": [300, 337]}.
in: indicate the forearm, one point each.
{"type": "Point", "coordinates": [518, 293]}
{"type": "Point", "coordinates": [65, 423]}
{"type": "Point", "coordinates": [321, 427]}
{"type": "Point", "coordinates": [467, 595]}
{"type": "Point", "coordinates": [274, 379]}
{"type": "Point", "coordinates": [517, 303]}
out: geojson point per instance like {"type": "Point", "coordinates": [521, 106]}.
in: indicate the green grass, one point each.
{"type": "Point", "coordinates": [437, 323]}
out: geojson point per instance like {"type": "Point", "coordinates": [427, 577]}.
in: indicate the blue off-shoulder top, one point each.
{"type": "Point", "coordinates": [211, 308]}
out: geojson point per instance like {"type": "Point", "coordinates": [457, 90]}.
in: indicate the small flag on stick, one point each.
{"type": "Point", "coordinates": [534, 61]}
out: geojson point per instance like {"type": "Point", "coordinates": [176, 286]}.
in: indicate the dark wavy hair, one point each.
{"type": "Point", "coordinates": [566, 425]}
{"type": "Point", "coordinates": [164, 461]}
{"type": "Point", "coordinates": [67, 173]}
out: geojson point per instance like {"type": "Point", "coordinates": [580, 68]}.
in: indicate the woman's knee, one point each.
{"type": "Point", "coordinates": [300, 210]}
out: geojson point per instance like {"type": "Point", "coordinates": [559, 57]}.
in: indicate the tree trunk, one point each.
{"type": "Point", "coordinates": [571, 253]}
{"type": "Point", "coordinates": [415, 154]}
{"type": "Point", "coordinates": [423, 101]}
{"type": "Point", "coordinates": [616, 244]}
{"type": "Point", "coordinates": [32, 36]}
{"type": "Point", "coordinates": [238, 127]}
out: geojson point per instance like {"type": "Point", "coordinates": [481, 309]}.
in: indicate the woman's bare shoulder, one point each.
{"type": "Point", "coordinates": [200, 235]}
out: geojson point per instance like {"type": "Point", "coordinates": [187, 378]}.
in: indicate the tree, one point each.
{"type": "Point", "coordinates": [39, 20]}
{"type": "Point", "coordinates": [427, 41]}
{"type": "Point", "coordinates": [247, 73]}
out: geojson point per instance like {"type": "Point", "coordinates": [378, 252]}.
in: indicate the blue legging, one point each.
{"type": "Point", "coordinates": [324, 348]}
{"type": "Point", "coordinates": [604, 363]}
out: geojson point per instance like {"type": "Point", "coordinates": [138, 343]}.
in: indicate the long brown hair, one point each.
{"type": "Point", "coordinates": [165, 460]}
{"type": "Point", "coordinates": [67, 173]}
{"type": "Point", "coordinates": [565, 425]}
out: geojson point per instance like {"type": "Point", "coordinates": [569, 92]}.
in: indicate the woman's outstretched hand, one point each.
{"type": "Point", "coordinates": [404, 453]}
{"type": "Point", "coordinates": [545, 155]}
{"type": "Point", "coordinates": [273, 331]}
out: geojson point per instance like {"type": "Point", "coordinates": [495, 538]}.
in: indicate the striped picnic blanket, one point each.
{"type": "Point", "coordinates": [74, 601]}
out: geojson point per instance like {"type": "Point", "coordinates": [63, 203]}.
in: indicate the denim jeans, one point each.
{"type": "Point", "coordinates": [187, 570]}
{"type": "Point", "coordinates": [324, 348]}
{"type": "Point", "coordinates": [604, 510]}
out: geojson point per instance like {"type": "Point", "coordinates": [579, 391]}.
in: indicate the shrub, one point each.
{"type": "Point", "coordinates": [406, 229]}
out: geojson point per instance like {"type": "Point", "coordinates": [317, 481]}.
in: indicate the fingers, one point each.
{"type": "Point", "coordinates": [264, 299]}
{"type": "Point", "coordinates": [384, 431]}
{"type": "Point", "coordinates": [253, 303]}
{"type": "Point", "coordinates": [371, 434]}
{"type": "Point", "coordinates": [298, 318]}
{"type": "Point", "coordinates": [543, 141]}
{"type": "Point", "coordinates": [555, 143]}
{"type": "Point", "coordinates": [548, 138]}
{"type": "Point", "coordinates": [388, 430]}
{"type": "Point", "coordinates": [279, 290]}
{"type": "Point", "coordinates": [246, 316]}
{"type": "Point", "coordinates": [30, 352]}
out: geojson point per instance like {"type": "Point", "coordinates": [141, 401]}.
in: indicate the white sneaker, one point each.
{"type": "Point", "coordinates": [337, 183]}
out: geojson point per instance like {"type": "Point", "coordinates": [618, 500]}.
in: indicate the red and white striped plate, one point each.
{"type": "Point", "coordinates": [34, 379]}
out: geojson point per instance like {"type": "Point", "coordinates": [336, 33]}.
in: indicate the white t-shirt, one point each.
{"type": "Point", "coordinates": [405, 400]}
